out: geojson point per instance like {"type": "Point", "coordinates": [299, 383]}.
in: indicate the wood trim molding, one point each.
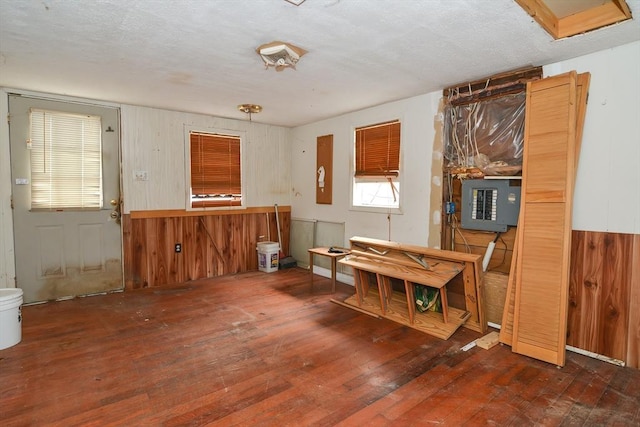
{"type": "Point", "coordinates": [168, 213]}
{"type": "Point", "coordinates": [596, 17]}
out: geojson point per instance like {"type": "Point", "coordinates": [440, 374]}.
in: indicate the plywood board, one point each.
{"type": "Point", "coordinates": [488, 341]}
{"type": "Point", "coordinates": [495, 289]}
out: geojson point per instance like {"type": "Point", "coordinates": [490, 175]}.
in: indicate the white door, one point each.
{"type": "Point", "coordinates": [65, 252]}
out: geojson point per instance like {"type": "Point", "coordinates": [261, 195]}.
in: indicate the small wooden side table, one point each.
{"type": "Point", "coordinates": [334, 258]}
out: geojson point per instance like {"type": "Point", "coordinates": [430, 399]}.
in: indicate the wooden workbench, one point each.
{"type": "Point", "coordinates": [376, 263]}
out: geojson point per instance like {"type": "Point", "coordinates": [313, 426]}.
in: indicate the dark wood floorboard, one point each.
{"type": "Point", "coordinates": [259, 349]}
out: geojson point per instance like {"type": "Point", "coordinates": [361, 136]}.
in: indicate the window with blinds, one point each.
{"type": "Point", "coordinates": [377, 165]}
{"type": "Point", "coordinates": [216, 178]}
{"type": "Point", "coordinates": [378, 150]}
{"type": "Point", "coordinates": [66, 160]}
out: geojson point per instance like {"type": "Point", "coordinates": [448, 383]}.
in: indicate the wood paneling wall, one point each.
{"type": "Point", "coordinates": [213, 243]}
{"type": "Point", "coordinates": [604, 295]}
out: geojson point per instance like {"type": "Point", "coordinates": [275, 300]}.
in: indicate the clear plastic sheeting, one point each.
{"type": "Point", "coordinates": [486, 137]}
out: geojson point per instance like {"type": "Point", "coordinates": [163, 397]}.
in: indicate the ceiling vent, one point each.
{"type": "Point", "coordinates": [280, 55]}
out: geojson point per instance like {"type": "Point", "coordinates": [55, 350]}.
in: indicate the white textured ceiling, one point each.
{"type": "Point", "coordinates": [199, 55]}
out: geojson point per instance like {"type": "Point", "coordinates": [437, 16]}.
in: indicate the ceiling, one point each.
{"type": "Point", "coordinates": [199, 56]}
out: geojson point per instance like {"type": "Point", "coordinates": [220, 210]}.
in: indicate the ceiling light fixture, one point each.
{"type": "Point", "coordinates": [250, 109]}
{"type": "Point", "coordinates": [296, 2]}
{"type": "Point", "coordinates": [280, 55]}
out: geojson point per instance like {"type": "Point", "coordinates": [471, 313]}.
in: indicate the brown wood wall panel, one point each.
{"type": "Point", "coordinates": [212, 245]}
{"type": "Point", "coordinates": [633, 334]}
{"type": "Point", "coordinates": [324, 158]}
{"type": "Point", "coordinates": [603, 293]}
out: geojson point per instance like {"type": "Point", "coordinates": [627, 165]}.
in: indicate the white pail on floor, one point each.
{"type": "Point", "coordinates": [10, 317]}
{"type": "Point", "coordinates": [268, 256]}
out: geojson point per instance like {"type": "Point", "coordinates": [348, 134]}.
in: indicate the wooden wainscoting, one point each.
{"type": "Point", "coordinates": [604, 295]}
{"type": "Point", "coordinates": [213, 243]}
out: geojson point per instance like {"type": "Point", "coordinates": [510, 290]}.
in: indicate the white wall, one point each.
{"type": "Point", "coordinates": [153, 141]}
{"type": "Point", "coordinates": [607, 193]}
{"type": "Point", "coordinates": [417, 134]}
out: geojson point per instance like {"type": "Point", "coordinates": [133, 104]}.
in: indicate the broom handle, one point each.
{"type": "Point", "coordinates": [278, 224]}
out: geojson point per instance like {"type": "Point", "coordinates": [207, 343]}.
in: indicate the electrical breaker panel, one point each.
{"type": "Point", "coordinates": [489, 205]}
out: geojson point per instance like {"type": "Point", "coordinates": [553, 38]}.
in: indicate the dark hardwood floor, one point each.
{"type": "Point", "coordinates": [258, 349]}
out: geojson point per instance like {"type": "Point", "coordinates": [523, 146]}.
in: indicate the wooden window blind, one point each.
{"type": "Point", "coordinates": [378, 150]}
{"type": "Point", "coordinates": [215, 170]}
{"type": "Point", "coordinates": [66, 160]}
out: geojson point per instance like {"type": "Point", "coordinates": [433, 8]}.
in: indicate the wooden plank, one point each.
{"type": "Point", "coordinates": [606, 13]}
{"type": "Point", "coordinates": [429, 252]}
{"type": "Point", "coordinates": [491, 87]}
{"type": "Point", "coordinates": [506, 327]}
{"type": "Point", "coordinates": [166, 213]}
{"type": "Point", "coordinates": [633, 330]}
{"type": "Point", "coordinates": [352, 307]}
{"type": "Point", "coordinates": [593, 18]}
{"type": "Point", "coordinates": [423, 277]}
{"type": "Point", "coordinates": [411, 302]}
{"type": "Point", "coordinates": [470, 296]}
{"type": "Point", "coordinates": [394, 257]}
{"type": "Point", "coordinates": [488, 341]}
{"type": "Point", "coordinates": [429, 322]}
{"type": "Point", "coordinates": [542, 267]}
{"type": "Point", "coordinates": [479, 297]}
{"type": "Point", "coordinates": [584, 79]}
{"type": "Point", "coordinates": [382, 292]}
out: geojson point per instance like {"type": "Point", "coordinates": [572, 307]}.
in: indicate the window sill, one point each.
{"type": "Point", "coordinates": [377, 209]}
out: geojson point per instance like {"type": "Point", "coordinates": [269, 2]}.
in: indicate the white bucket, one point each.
{"type": "Point", "coordinates": [10, 317]}
{"type": "Point", "coordinates": [268, 256]}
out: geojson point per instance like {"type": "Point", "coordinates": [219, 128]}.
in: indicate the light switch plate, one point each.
{"type": "Point", "coordinates": [141, 175]}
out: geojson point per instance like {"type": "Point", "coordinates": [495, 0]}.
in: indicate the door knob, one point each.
{"type": "Point", "coordinates": [113, 202]}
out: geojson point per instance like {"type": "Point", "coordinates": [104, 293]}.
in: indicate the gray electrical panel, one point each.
{"type": "Point", "coordinates": [489, 205]}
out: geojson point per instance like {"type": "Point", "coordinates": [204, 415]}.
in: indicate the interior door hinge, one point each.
{"type": "Point", "coordinates": [8, 118]}
{"type": "Point", "coordinates": [12, 201]}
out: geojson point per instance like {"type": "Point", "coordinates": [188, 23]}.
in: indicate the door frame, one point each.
{"type": "Point", "coordinates": [7, 242]}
